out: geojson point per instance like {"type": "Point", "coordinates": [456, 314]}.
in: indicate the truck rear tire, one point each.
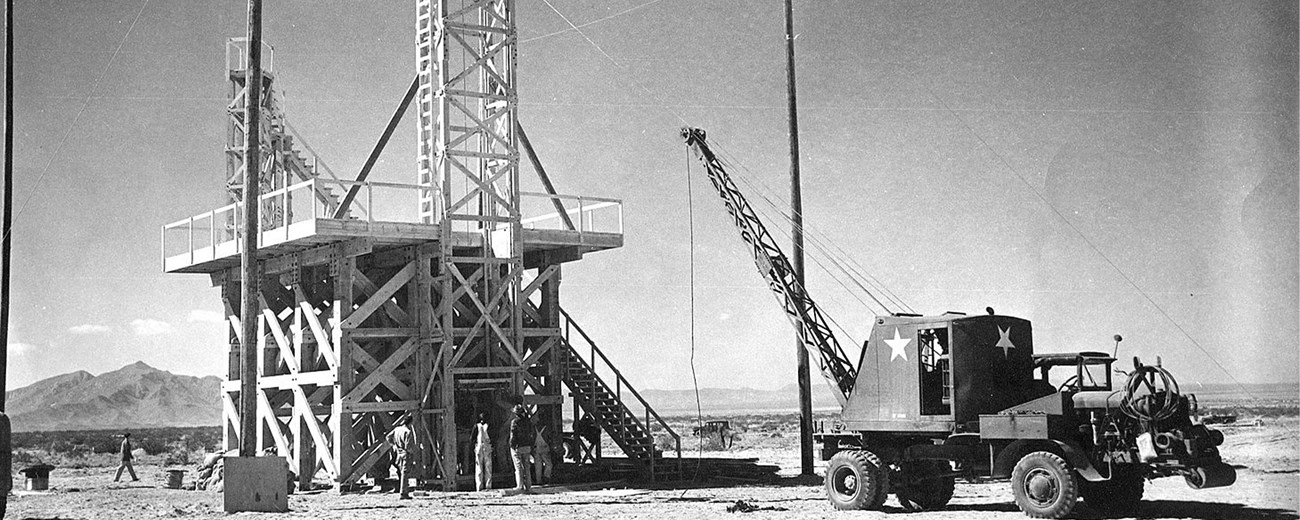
{"type": "Point", "coordinates": [855, 480]}
{"type": "Point", "coordinates": [920, 490]}
{"type": "Point", "coordinates": [1121, 494]}
{"type": "Point", "coordinates": [1044, 485]}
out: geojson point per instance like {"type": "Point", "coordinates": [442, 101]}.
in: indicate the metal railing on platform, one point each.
{"type": "Point", "coordinates": [285, 214]}
{"type": "Point", "coordinates": [290, 212]}
{"type": "Point", "coordinates": [586, 214]}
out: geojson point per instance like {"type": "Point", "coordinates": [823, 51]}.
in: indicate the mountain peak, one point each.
{"type": "Point", "coordinates": [136, 395]}
{"type": "Point", "coordinates": [140, 365]}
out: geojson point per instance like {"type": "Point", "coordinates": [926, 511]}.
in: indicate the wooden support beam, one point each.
{"type": "Point", "coordinates": [332, 465]}
{"type": "Point", "coordinates": [319, 255]}
{"type": "Point", "coordinates": [342, 444]}
{"type": "Point", "coordinates": [268, 417]}
{"type": "Point", "coordinates": [380, 298]}
{"type": "Point", "coordinates": [372, 365]}
{"type": "Point", "coordinates": [382, 406]}
{"type": "Point", "coordinates": [387, 366]}
{"type": "Point", "coordinates": [378, 149]}
{"type": "Point", "coordinates": [541, 174]}
{"type": "Point", "coordinates": [322, 340]}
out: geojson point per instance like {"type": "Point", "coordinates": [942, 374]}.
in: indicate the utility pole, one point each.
{"type": "Point", "coordinates": [249, 307]}
{"type": "Point", "coordinates": [796, 208]}
{"type": "Point", "coordinates": [6, 245]}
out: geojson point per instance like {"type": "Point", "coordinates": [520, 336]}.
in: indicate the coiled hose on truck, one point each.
{"type": "Point", "coordinates": [1139, 406]}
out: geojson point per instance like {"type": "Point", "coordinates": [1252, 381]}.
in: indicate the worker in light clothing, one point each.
{"type": "Point", "coordinates": [402, 441]}
{"type": "Point", "coordinates": [521, 447]}
{"type": "Point", "coordinates": [541, 459]}
{"type": "Point", "coordinates": [126, 459]}
{"type": "Point", "coordinates": [482, 454]}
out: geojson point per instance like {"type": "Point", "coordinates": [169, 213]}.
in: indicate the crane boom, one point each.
{"type": "Point", "coordinates": [809, 322]}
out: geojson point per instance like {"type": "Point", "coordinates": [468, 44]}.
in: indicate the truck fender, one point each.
{"type": "Point", "coordinates": [1071, 452]}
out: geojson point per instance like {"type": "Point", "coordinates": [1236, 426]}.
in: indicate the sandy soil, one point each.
{"type": "Point", "coordinates": [1267, 487]}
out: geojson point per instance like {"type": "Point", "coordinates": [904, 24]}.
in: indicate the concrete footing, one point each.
{"type": "Point", "coordinates": [256, 484]}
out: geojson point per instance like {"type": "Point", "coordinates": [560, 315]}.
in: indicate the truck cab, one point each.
{"type": "Point", "coordinates": [1075, 371]}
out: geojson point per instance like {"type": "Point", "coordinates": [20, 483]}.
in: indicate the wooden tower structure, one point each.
{"type": "Point", "coordinates": [438, 300]}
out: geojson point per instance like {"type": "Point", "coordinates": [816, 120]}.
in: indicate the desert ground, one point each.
{"type": "Point", "coordinates": [1267, 457]}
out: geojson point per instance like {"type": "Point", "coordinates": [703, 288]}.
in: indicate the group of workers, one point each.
{"type": "Point", "coordinates": [528, 450]}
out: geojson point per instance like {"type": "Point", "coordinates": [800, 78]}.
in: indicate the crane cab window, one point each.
{"type": "Point", "coordinates": [935, 372]}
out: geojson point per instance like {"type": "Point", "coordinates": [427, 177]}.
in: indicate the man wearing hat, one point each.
{"type": "Point", "coordinates": [521, 447]}
{"type": "Point", "coordinates": [402, 441]}
{"type": "Point", "coordinates": [126, 455]}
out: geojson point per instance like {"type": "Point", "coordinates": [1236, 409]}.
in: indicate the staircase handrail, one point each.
{"type": "Point", "coordinates": [623, 382]}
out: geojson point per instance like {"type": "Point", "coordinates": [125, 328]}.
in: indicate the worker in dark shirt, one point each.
{"type": "Point", "coordinates": [521, 447]}
{"type": "Point", "coordinates": [402, 441]}
{"type": "Point", "coordinates": [126, 459]}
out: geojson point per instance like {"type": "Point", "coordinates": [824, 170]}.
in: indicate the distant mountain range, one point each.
{"type": "Point", "coordinates": [134, 396]}
{"type": "Point", "coordinates": [140, 396]}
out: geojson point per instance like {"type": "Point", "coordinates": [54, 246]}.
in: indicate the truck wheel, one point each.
{"type": "Point", "coordinates": [883, 485]}
{"type": "Point", "coordinates": [921, 490]}
{"type": "Point", "coordinates": [1121, 494]}
{"type": "Point", "coordinates": [855, 480]}
{"type": "Point", "coordinates": [1044, 485]}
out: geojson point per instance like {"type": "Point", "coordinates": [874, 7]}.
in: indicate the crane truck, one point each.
{"type": "Point", "coordinates": [937, 398]}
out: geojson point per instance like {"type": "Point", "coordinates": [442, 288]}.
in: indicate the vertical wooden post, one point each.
{"type": "Point", "coordinates": [550, 311]}
{"type": "Point", "coordinates": [6, 243]}
{"type": "Point", "coordinates": [341, 420]}
{"type": "Point", "coordinates": [248, 259]}
{"type": "Point", "coordinates": [6, 230]}
{"type": "Point", "coordinates": [263, 364]}
{"type": "Point", "coordinates": [796, 210]}
{"type": "Point", "coordinates": [305, 354]}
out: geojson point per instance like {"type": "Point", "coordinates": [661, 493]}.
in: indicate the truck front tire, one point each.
{"type": "Point", "coordinates": [1044, 485]}
{"type": "Point", "coordinates": [856, 480]}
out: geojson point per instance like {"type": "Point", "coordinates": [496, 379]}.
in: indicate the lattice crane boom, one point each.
{"type": "Point", "coordinates": [809, 322]}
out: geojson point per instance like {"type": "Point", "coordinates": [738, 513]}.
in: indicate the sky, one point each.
{"type": "Point", "coordinates": [1098, 168]}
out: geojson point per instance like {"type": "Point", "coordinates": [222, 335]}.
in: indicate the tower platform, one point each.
{"type": "Point", "coordinates": [210, 242]}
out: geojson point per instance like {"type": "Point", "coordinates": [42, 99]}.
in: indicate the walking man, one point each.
{"type": "Point", "coordinates": [402, 441]}
{"type": "Point", "coordinates": [521, 447]}
{"type": "Point", "coordinates": [126, 459]}
{"type": "Point", "coordinates": [482, 454]}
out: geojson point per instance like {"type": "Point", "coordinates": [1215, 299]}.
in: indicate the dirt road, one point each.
{"type": "Point", "coordinates": [1268, 487]}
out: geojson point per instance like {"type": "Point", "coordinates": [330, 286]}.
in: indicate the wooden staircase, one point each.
{"type": "Point", "coordinates": [609, 405]}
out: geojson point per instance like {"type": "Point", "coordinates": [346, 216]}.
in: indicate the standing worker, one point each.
{"type": "Point", "coordinates": [402, 441]}
{"type": "Point", "coordinates": [541, 459]}
{"type": "Point", "coordinates": [126, 459]}
{"type": "Point", "coordinates": [482, 454]}
{"type": "Point", "coordinates": [521, 447]}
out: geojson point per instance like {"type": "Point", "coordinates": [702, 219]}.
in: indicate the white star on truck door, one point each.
{"type": "Point", "coordinates": [1004, 341]}
{"type": "Point", "coordinates": [898, 346]}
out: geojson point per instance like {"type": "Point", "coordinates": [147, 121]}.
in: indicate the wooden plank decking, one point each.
{"type": "Point", "coordinates": [310, 233]}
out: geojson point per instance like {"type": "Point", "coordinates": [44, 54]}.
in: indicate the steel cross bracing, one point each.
{"type": "Point", "coordinates": [469, 160]}
{"type": "Point", "coordinates": [809, 322]}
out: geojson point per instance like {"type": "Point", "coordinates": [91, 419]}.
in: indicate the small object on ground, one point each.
{"type": "Point", "coordinates": [38, 476]}
{"type": "Point", "coordinates": [1224, 418]}
{"type": "Point", "coordinates": [742, 506]}
{"type": "Point", "coordinates": [174, 478]}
